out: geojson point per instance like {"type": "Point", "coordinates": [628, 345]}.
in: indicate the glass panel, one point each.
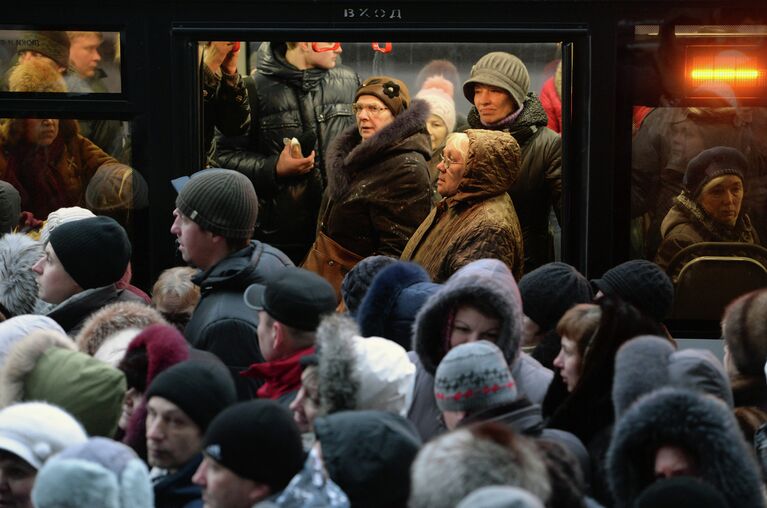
{"type": "Point", "coordinates": [80, 61]}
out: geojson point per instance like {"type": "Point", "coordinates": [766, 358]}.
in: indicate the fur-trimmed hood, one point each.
{"type": "Point", "coordinates": [18, 283]}
{"type": "Point", "coordinates": [349, 153]}
{"type": "Point", "coordinates": [16, 328]}
{"type": "Point", "coordinates": [361, 373]}
{"type": "Point", "coordinates": [488, 280]}
{"type": "Point", "coordinates": [703, 425]}
{"type": "Point", "coordinates": [112, 319]}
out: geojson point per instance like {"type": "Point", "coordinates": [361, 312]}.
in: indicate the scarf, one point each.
{"type": "Point", "coordinates": [281, 376]}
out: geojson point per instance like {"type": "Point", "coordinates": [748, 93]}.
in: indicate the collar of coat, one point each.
{"type": "Point", "coordinates": [740, 232]}
{"type": "Point", "coordinates": [270, 61]}
{"type": "Point", "coordinates": [531, 120]}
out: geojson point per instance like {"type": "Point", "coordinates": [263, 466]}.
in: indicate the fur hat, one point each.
{"type": "Point", "coordinates": [438, 92]}
{"type": "Point", "coordinates": [641, 283]}
{"type": "Point", "coordinates": [18, 283]}
{"type": "Point", "coordinates": [10, 207]}
{"type": "Point", "coordinates": [16, 328]}
{"type": "Point", "coordinates": [35, 431]}
{"type": "Point", "coordinates": [52, 43]}
{"type": "Point", "coordinates": [391, 91]}
{"type": "Point", "coordinates": [113, 318]}
{"type": "Point", "coordinates": [61, 216]}
{"type": "Point", "coordinates": [99, 473]}
{"type": "Point", "coordinates": [473, 377]}
{"type": "Point", "coordinates": [745, 329]}
{"type": "Point", "coordinates": [221, 201]}
{"type": "Point", "coordinates": [550, 290]}
{"type": "Point", "coordinates": [455, 464]}
{"type": "Point", "coordinates": [153, 350]}
{"type": "Point", "coordinates": [357, 280]}
{"type": "Point", "coordinates": [500, 69]}
{"type": "Point", "coordinates": [36, 76]}
{"type": "Point", "coordinates": [500, 496]}
{"type": "Point", "coordinates": [712, 163]}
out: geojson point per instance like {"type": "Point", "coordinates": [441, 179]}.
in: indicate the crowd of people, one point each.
{"type": "Point", "coordinates": [423, 354]}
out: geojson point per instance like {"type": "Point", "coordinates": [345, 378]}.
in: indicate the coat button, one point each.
{"type": "Point", "coordinates": [331, 263]}
{"type": "Point", "coordinates": [321, 117]}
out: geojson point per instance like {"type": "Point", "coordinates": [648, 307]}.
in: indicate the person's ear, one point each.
{"type": "Point", "coordinates": [259, 492]}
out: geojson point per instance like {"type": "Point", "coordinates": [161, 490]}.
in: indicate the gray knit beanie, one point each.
{"type": "Point", "coordinates": [51, 43]}
{"type": "Point", "coordinates": [500, 69]}
{"type": "Point", "coordinates": [221, 201]}
{"type": "Point", "coordinates": [473, 377]}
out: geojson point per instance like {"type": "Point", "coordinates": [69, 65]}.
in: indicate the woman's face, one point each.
{"type": "Point", "coordinates": [568, 361]}
{"type": "Point", "coordinates": [437, 131]}
{"type": "Point", "coordinates": [372, 115]}
{"type": "Point", "coordinates": [131, 401]}
{"type": "Point", "coordinates": [471, 325]}
{"type": "Point", "coordinates": [721, 199]}
{"type": "Point", "coordinates": [41, 131]}
{"type": "Point", "coordinates": [451, 169]}
{"type": "Point", "coordinates": [306, 404]}
{"type": "Point", "coordinates": [16, 480]}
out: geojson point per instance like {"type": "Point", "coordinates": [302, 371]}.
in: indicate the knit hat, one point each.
{"type": "Point", "coordinates": [500, 496]}
{"type": "Point", "coordinates": [94, 252]}
{"type": "Point", "coordinates": [680, 492]}
{"type": "Point", "coordinates": [116, 186]}
{"type": "Point", "coordinates": [35, 431]}
{"type": "Point", "coordinates": [152, 351]}
{"type": "Point", "coordinates": [221, 201]}
{"type": "Point", "coordinates": [550, 290]}
{"type": "Point", "coordinates": [744, 329]}
{"type": "Point", "coordinates": [442, 68]}
{"type": "Point", "coordinates": [52, 43]}
{"type": "Point", "coordinates": [10, 207]}
{"type": "Point", "coordinates": [472, 377]}
{"type": "Point", "coordinates": [201, 390]}
{"type": "Point", "coordinates": [61, 216]}
{"type": "Point", "coordinates": [641, 283]}
{"type": "Point", "coordinates": [710, 164]}
{"type": "Point", "coordinates": [391, 91]}
{"type": "Point", "coordinates": [500, 69]}
{"type": "Point", "coordinates": [295, 297]}
{"type": "Point", "coordinates": [437, 91]}
{"type": "Point", "coordinates": [357, 280]}
{"type": "Point", "coordinates": [99, 473]}
{"type": "Point", "coordinates": [257, 440]}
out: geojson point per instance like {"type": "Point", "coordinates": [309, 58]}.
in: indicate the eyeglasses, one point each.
{"type": "Point", "coordinates": [321, 47]}
{"type": "Point", "coordinates": [372, 109]}
{"type": "Point", "coordinates": [447, 162]}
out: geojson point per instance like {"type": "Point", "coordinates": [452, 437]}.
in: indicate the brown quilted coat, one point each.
{"type": "Point", "coordinates": [479, 221]}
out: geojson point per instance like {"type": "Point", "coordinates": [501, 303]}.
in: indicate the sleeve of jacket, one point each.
{"type": "Point", "coordinates": [225, 102]}
{"type": "Point", "coordinates": [92, 157]}
{"type": "Point", "coordinates": [552, 160]}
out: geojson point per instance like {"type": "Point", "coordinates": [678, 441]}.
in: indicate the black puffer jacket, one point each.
{"type": "Point", "coordinates": [221, 322]}
{"type": "Point", "coordinates": [284, 103]}
{"type": "Point", "coordinates": [539, 184]}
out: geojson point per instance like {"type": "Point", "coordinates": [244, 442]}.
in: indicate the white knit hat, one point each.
{"type": "Point", "coordinates": [62, 216]}
{"type": "Point", "coordinates": [437, 91]}
{"type": "Point", "coordinates": [35, 431]}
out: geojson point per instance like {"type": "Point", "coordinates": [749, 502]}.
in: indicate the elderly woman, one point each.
{"type": "Point", "coordinates": [378, 188]}
{"type": "Point", "coordinates": [709, 207]}
{"type": "Point", "coordinates": [438, 92]}
{"type": "Point", "coordinates": [476, 218]}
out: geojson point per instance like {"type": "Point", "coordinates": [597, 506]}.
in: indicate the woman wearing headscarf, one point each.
{"type": "Point", "coordinates": [476, 218]}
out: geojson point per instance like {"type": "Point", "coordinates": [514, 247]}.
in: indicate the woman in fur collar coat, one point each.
{"type": "Point", "coordinates": [378, 179]}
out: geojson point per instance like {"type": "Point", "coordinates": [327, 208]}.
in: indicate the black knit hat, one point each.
{"type": "Point", "coordinates": [199, 389]}
{"type": "Point", "coordinates": [550, 290]}
{"type": "Point", "coordinates": [642, 284]}
{"type": "Point", "coordinates": [680, 492]}
{"type": "Point", "coordinates": [51, 43]}
{"type": "Point", "coordinates": [711, 163]}
{"type": "Point", "coordinates": [357, 281]}
{"type": "Point", "coordinates": [221, 201]}
{"type": "Point", "coordinates": [257, 440]}
{"type": "Point", "coordinates": [94, 251]}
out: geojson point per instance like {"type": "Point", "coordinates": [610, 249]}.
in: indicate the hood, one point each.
{"type": "Point", "coordinates": [14, 329]}
{"type": "Point", "coordinates": [112, 319]}
{"type": "Point", "coordinates": [18, 283]}
{"type": "Point", "coordinates": [703, 425]}
{"type": "Point", "coordinates": [532, 119]}
{"type": "Point", "coordinates": [493, 164]}
{"type": "Point", "coordinates": [687, 211]}
{"type": "Point", "coordinates": [348, 154]}
{"type": "Point", "coordinates": [271, 62]}
{"type": "Point", "coordinates": [488, 280]}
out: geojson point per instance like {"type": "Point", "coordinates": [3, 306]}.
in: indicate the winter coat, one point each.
{"type": "Point", "coordinates": [539, 184]}
{"type": "Point", "coordinates": [477, 222]}
{"type": "Point", "coordinates": [221, 323]}
{"type": "Point", "coordinates": [285, 102]}
{"type": "Point", "coordinates": [378, 189]}
{"type": "Point", "coordinates": [224, 107]}
{"type": "Point", "coordinates": [702, 425]}
{"type": "Point", "coordinates": [72, 313]}
{"type": "Point", "coordinates": [18, 283]}
{"type": "Point", "coordinates": [687, 224]}
{"type": "Point", "coordinates": [177, 490]}
{"type": "Point", "coordinates": [71, 172]}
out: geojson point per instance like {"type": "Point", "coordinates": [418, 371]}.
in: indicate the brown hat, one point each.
{"type": "Point", "coordinates": [500, 69]}
{"type": "Point", "coordinates": [51, 43]}
{"type": "Point", "coordinates": [36, 76]}
{"type": "Point", "coordinates": [391, 91]}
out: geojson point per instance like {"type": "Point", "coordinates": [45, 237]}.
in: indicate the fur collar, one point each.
{"type": "Point", "coordinates": [339, 383]}
{"type": "Point", "coordinates": [114, 318]}
{"type": "Point", "coordinates": [690, 210]}
{"type": "Point", "coordinates": [348, 154]}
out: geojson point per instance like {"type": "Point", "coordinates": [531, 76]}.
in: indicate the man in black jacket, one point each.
{"type": "Point", "coordinates": [214, 218]}
{"type": "Point", "coordinates": [298, 91]}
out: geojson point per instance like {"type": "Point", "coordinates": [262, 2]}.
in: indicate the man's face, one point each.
{"type": "Point", "coordinates": [16, 480]}
{"type": "Point", "coordinates": [493, 103]}
{"type": "Point", "coordinates": [55, 284]}
{"type": "Point", "coordinates": [323, 59]}
{"type": "Point", "coordinates": [194, 243]}
{"type": "Point", "coordinates": [266, 332]}
{"type": "Point", "coordinates": [222, 488]}
{"type": "Point", "coordinates": [172, 438]}
{"type": "Point", "coordinates": [84, 54]}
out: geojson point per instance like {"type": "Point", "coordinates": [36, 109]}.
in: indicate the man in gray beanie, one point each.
{"type": "Point", "coordinates": [499, 89]}
{"type": "Point", "coordinates": [215, 214]}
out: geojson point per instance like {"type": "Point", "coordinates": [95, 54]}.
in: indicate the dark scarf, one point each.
{"type": "Point", "coordinates": [32, 170]}
{"type": "Point", "coordinates": [281, 376]}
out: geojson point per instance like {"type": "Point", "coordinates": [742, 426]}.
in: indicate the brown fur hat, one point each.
{"type": "Point", "coordinates": [112, 319]}
{"type": "Point", "coordinates": [36, 75]}
{"type": "Point", "coordinates": [745, 332]}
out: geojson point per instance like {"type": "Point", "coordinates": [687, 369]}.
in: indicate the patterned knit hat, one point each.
{"type": "Point", "coordinates": [642, 284]}
{"type": "Point", "coordinates": [473, 377]}
{"type": "Point", "coordinates": [712, 163]}
{"type": "Point", "coordinates": [221, 201]}
{"type": "Point", "coordinates": [391, 91]}
{"type": "Point", "coordinates": [61, 216]}
{"type": "Point", "coordinates": [51, 43]}
{"type": "Point", "coordinates": [500, 69]}
{"type": "Point", "coordinates": [437, 91]}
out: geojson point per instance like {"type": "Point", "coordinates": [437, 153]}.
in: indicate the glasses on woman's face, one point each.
{"type": "Point", "coordinates": [446, 162]}
{"type": "Point", "coordinates": [372, 109]}
{"type": "Point", "coordinates": [321, 47]}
